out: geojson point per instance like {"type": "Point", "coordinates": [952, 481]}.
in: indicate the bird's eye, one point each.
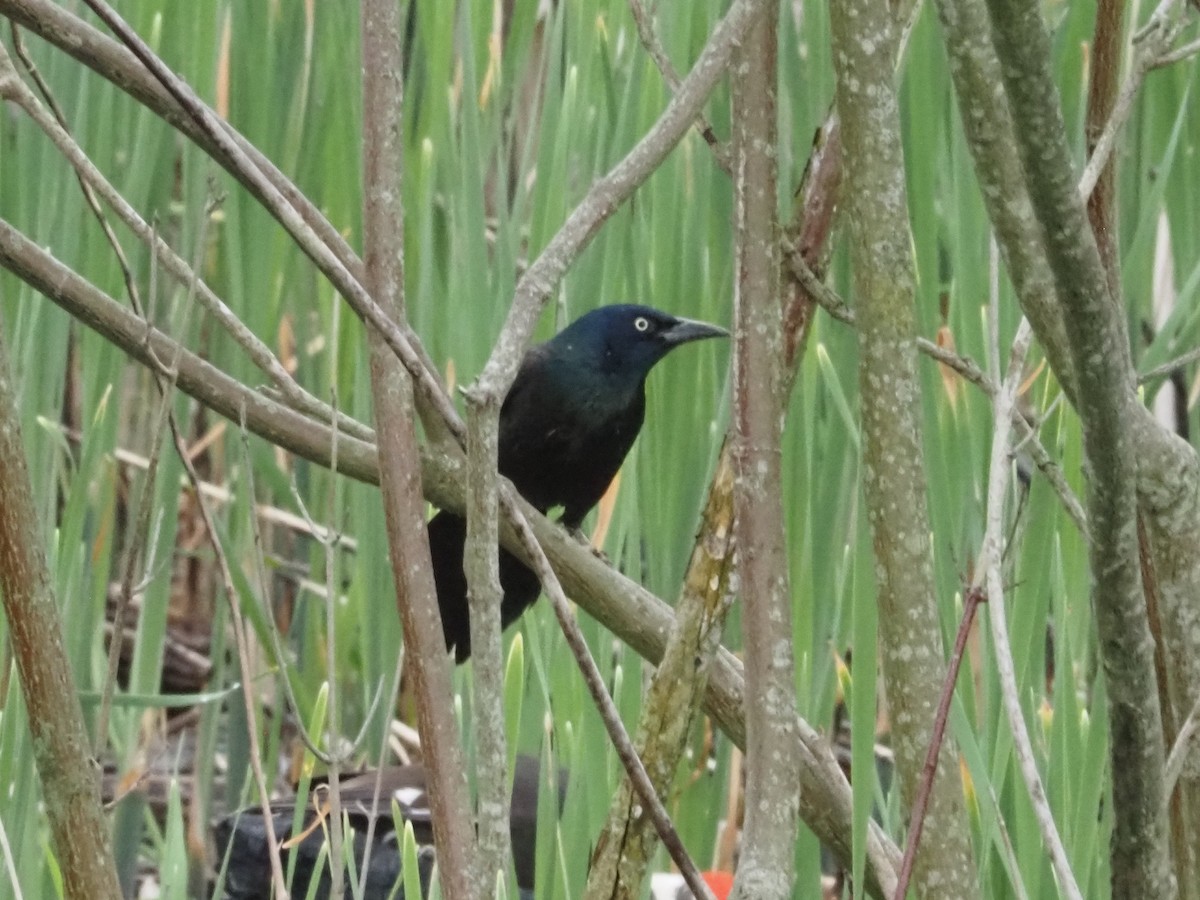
{"type": "Point", "coordinates": [641, 323]}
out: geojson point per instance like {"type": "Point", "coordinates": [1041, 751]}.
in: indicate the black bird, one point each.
{"type": "Point", "coordinates": [244, 852]}
{"type": "Point", "coordinates": [570, 417]}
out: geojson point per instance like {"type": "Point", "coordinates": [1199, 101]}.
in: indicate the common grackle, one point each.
{"type": "Point", "coordinates": [570, 417]}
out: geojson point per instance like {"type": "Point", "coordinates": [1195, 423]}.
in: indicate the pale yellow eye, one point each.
{"type": "Point", "coordinates": [641, 323]}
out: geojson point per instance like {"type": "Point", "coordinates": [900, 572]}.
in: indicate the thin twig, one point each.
{"type": "Point", "coordinates": [1179, 752]}
{"type": "Point", "coordinates": [674, 692]}
{"type": "Point", "coordinates": [94, 183]}
{"type": "Point", "coordinates": [1169, 368]}
{"type": "Point", "coordinates": [993, 311]}
{"type": "Point", "coordinates": [1020, 892]}
{"type": "Point", "coordinates": [1178, 55]}
{"type": "Point", "coordinates": [609, 714]}
{"type": "Point", "coordinates": [166, 385]}
{"type": "Point", "coordinates": [165, 381]}
{"type": "Point", "coordinates": [140, 526]}
{"type": "Point", "coordinates": [400, 341]}
{"type": "Point", "coordinates": [1152, 43]}
{"type": "Point", "coordinates": [1052, 471]}
{"type": "Point", "coordinates": [216, 389]}
{"type": "Point", "coordinates": [311, 743]}
{"type": "Point", "coordinates": [827, 298]}
{"type": "Point", "coordinates": [916, 820]}
{"type": "Point", "coordinates": [244, 663]}
{"type": "Point", "coordinates": [222, 495]}
{"type": "Point", "coordinates": [88, 194]}
{"type": "Point", "coordinates": [377, 790]}
{"type": "Point", "coordinates": [988, 573]}
{"type": "Point", "coordinates": [333, 695]}
{"type": "Point", "coordinates": [329, 540]}
{"type": "Point", "coordinates": [658, 53]}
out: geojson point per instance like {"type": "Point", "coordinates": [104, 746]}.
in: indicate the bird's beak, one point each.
{"type": "Point", "coordinates": [685, 330]}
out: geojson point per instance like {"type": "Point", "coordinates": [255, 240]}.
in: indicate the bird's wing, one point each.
{"type": "Point", "coordinates": [525, 420]}
{"type": "Point", "coordinates": [524, 384]}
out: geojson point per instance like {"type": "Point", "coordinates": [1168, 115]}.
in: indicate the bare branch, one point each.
{"type": "Point", "coordinates": [94, 183]}
{"type": "Point", "coordinates": [920, 805]}
{"type": "Point", "coordinates": [767, 865]}
{"type": "Point", "coordinates": [398, 337]}
{"type": "Point", "coordinates": [69, 774]}
{"type": "Point", "coordinates": [132, 556]}
{"type": "Point", "coordinates": [517, 515]}
{"type": "Point", "coordinates": [876, 208]}
{"type": "Point", "coordinates": [1100, 353]}
{"type": "Point", "coordinates": [245, 665]}
{"type": "Point", "coordinates": [829, 300]}
{"type": "Point", "coordinates": [268, 418]}
{"type": "Point", "coordinates": [626, 846]}
{"type": "Point", "coordinates": [606, 196]}
{"type": "Point", "coordinates": [1152, 45]}
{"type": "Point", "coordinates": [988, 571]}
{"type": "Point", "coordinates": [381, 35]}
{"type": "Point", "coordinates": [658, 53]}
{"type": "Point", "coordinates": [88, 194]}
{"type": "Point", "coordinates": [1168, 368]}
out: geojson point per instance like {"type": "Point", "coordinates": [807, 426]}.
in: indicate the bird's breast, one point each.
{"type": "Point", "coordinates": [564, 451]}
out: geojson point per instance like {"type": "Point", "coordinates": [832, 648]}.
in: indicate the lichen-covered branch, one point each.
{"type": "Point", "coordinates": [988, 127]}
{"type": "Point", "coordinates": [626, 846]}
{"type": "Point", "coordinates": [766, 869]}
{"type": "Point", "coordinates": [875, 206]}
{"type": "Point", "coordinates": [70, 777]}
{"type": "Point", "coordinates": [1107, 409]}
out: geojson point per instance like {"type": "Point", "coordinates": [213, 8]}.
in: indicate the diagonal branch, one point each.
{"type": "Point", "coordinates": [606, 196]}
{"type": "Point", "coordinates": [837, 308]}
{"type": "Point", "coordinates": [626, 845]}
{"type": "Point", "coordinates": [94, 183]}
{"type": "Point", "coordinates": [240, 158]}
{"type": "Point", "coordinates": [650, 40]}
{"type": "Point", "coordinates": [400, 339]}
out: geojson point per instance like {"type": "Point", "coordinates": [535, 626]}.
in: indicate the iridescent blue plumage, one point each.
{"type": "Point", "coordinates": [573, 412]}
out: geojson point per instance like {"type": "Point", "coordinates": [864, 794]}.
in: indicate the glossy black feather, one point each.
{"type": "Point", "coordinates": [574, 410]}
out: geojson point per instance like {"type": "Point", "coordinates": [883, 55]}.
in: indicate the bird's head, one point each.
{"type": "Point", "coordinates": [627, 339]}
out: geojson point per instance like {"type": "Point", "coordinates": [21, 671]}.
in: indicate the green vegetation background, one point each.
{"type": "Point", "coordinates": [479, 203]}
